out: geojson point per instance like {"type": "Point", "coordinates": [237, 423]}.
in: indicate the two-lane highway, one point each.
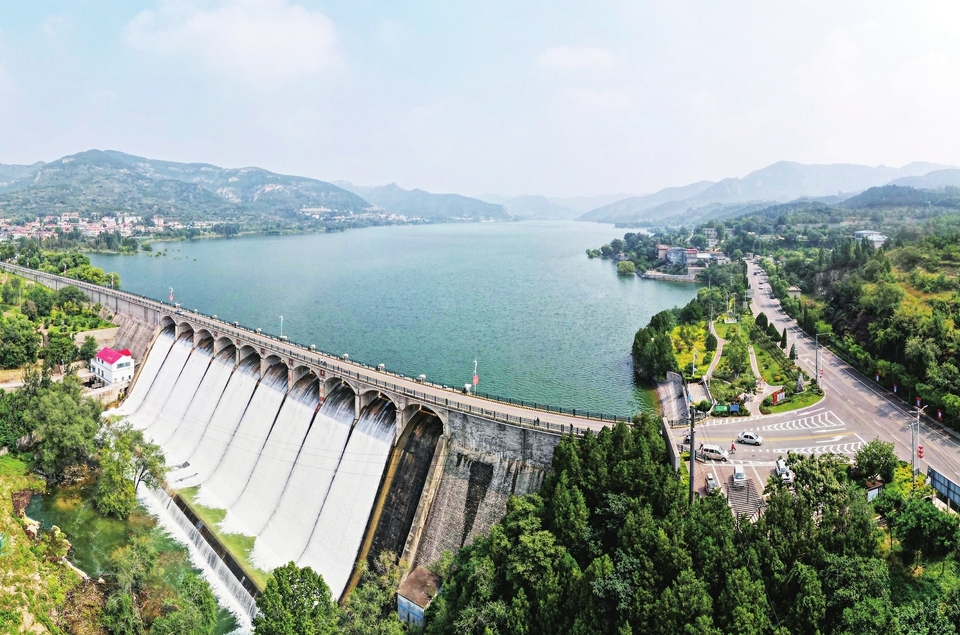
{"type": "Point", "coordinates": [866, 410]}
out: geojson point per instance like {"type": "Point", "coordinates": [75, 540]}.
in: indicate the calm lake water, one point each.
{"type": "Point", "coordinates": [545, 323]}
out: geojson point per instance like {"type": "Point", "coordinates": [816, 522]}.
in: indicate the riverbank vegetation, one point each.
{"type": "Point", "coordinates": [58, 434]}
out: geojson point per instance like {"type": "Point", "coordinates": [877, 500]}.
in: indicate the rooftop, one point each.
{"type": "Point", "coordinates": [419, 587]}
{"type": "Point", "coordinates": [110, 356]}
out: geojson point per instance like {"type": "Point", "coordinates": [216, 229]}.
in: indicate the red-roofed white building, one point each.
{"type": "Point", "coordinates": [112, 366]}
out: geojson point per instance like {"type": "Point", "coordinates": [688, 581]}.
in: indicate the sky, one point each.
{"type": "Point", "coordinates": [538, 97]}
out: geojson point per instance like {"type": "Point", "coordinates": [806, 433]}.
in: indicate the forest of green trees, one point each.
{"type": "Point", "coordinates": [611, 544]}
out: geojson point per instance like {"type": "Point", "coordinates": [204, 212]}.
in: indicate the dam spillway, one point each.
{"type": "Point", "coordinates": [318, 471]}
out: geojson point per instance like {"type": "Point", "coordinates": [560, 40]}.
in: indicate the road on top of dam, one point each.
{"type": "Point", "coordinates": [511, 414]}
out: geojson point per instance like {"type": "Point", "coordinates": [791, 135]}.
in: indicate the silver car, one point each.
{"type": "Point", "coordinates": [751, 438]}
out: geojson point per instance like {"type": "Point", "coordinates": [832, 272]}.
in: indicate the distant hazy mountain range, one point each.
{"type": "Point", "coordinates": [418, 203]}
{"type": "Point", "coordinates": [108, 182]}
{"type": "Point", "coordinates": [781, 182]}
{"type": "Point", "coordinates": [536, 207]}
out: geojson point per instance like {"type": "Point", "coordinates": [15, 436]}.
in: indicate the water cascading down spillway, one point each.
{"type": "Point", "coordinates": [338, 531]}
{"type": "Point", "coordinates": [300, 476]}
{"type": "Point", "coordinates": [285, 534]}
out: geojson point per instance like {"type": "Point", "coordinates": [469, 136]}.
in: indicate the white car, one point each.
{"type": "Point", "coordinates": [751, 438]}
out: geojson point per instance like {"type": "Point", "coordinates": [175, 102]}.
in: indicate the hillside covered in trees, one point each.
{"type": "Point", "coordinates": [611, 544]}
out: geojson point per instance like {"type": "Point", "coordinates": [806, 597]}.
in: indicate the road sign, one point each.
{"type": "Point", "coordinates": [894, 387]}
{"type": "Point", "coordinates": [918, 401]}
{"type": "Point", "coordinates": [939, 414]}
{"type": "Point", "coordinates": [877, 376]}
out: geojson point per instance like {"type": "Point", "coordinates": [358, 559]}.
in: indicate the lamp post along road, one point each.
{"type": "Point", "coordinates": [816, 348]}
{"type": "Point", "coordinates": [693, 456]}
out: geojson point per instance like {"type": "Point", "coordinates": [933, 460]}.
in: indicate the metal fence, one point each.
{"type": "Point", "coordinates": [944, 486]}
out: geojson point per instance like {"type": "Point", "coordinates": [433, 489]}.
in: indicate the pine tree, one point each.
{"type": "Point", "coordinates": [783, 340]}
{"type": "Point", "coordinates": [793, 352]}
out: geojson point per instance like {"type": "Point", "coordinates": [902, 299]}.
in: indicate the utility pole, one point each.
{"type": "Point", "coordinates": [693, 456]}
{"type": "Point", "coordinates": [915, 440]}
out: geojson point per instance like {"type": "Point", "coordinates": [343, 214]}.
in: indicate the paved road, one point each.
{"type": "Point", "coordinates": [853, 411]}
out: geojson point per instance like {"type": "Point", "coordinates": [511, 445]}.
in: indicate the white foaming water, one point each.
{"type": "Point", "coordinates": [153, 404]}
{"type": "Point", "coordinates": [223, 423]}
{"type": "Point", "coordinates": [171, 416]}
{"type": "Point", "coordinates": [289, 528]}
{"type": "Point", "coordinates": [194, 422]}
{"type": "Point", "coordinates": [333, 547]}
{"type": "Point", "coordinates": [148, 373]}
{"type": "Point", "coordinates": [269, 479]}
{"type": "Point", "coordinates": [228, 590]}
{"type": "Point", "coordinates": [227, 480]}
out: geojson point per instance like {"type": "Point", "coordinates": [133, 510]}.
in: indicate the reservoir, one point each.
{"type": "Point", "coordinates": [545, 323]}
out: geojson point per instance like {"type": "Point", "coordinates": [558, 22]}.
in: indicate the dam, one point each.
{"type": "Point", "coordinates": [323, 461]}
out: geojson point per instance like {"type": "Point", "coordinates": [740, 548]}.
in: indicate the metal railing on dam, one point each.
{"type": "Point", "coordinates": [509, 411]}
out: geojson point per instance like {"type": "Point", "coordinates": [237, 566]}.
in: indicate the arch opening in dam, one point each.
{"type": "Point", "coordinates": [403, 483]}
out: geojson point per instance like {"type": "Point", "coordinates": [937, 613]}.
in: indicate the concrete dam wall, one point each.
{"type": "Point", "coordinates": [317, 473]}
{"type": "Point", "coordinates": [323, 460]}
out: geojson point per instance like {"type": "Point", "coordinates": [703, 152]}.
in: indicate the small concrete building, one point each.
{"type": "Point", "coordinates": [793, 292]}
{"type": "Point", "coordinates": [676, 256]}
{"type": "Point", "coordinates": [415, 595]}
{"type": "Point", "coordinates": [875, 237]}
{"type": "Point", "coordinates": [111, 366]}
{"type": "Point", "coordinates": [662, 251]}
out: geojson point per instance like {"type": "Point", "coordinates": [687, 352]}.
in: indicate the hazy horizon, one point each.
{"type": "Point", "coordinates": [481, 99]}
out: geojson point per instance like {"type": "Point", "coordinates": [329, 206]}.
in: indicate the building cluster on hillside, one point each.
{"type": "Point", "coordinates": [49, 226]}
{"type": "Point", "coordinates": [690, 257]}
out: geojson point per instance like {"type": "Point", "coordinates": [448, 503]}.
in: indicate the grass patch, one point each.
{"type": "Point", "coordinates": [804, 399]}
{"type": "Point", "coordinates": [239, 546]}
{"type": "Point", "coordinates": [723, 329]}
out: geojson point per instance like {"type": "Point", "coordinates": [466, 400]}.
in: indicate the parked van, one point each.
{"type": "Point", "coordinates": [783, 471]}
{"type": "Point", "coordinates": [713, 452]}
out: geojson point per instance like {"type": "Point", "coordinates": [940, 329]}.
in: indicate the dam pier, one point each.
{"type": "Point", "coordinates": [322, 460]}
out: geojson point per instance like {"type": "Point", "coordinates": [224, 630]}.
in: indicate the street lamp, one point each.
{"type": "Point", "coordinates": [816, 340]}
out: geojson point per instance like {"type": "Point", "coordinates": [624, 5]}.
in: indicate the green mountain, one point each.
{"type": "Point", "coordinates": [418, 203]}
{"type": "Point", "coordinates": [108, 182]}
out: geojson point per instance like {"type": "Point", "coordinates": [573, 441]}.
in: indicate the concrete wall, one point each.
{"type": "Point", "coordinates": [486, 463]}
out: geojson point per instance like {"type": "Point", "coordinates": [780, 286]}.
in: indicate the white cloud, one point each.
{"type": "Point", "coordinates": [260, 43]}
{"type": "Point", "coordinates": [53, 26]}
{"type": "Point", "coordinates": [569, 59]}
